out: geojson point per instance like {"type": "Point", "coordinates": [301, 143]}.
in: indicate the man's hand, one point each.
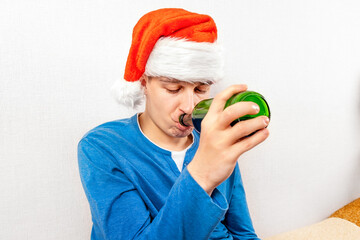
{"type": "Point", "coordinates": [220, 144]}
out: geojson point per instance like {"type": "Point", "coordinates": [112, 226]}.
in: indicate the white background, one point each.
{"type": "Point", "coordinates": [58, 60]}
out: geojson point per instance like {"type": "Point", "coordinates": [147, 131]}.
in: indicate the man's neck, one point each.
{"type": "Point", "coordinates": [159, 137]}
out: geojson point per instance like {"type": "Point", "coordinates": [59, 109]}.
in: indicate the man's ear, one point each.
{"type": "Point", "coordinates": [143, 81]}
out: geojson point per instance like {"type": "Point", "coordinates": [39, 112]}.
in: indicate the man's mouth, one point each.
{"type": "Point", "coordinates": [181, 127]}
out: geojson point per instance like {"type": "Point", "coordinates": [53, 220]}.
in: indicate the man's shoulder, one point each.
{"type": "Point", "coordinates": [112, 130]}
{"type": "Point", "coordinates": [106, 143]}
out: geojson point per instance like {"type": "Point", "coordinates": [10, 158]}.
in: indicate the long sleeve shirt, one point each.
{"type": "Point", "coordinates": [136, 191]}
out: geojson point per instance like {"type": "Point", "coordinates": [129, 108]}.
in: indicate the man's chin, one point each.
{"type": "Point", "coordinates": [180, 133]}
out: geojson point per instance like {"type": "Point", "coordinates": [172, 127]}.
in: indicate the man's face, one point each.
{"type": "Point", "coordinates": [167, 99]}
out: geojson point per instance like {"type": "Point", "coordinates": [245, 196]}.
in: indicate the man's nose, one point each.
{"type": "Point", "coordinates": [187, 102]}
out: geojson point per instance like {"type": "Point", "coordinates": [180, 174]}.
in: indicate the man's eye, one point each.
{"type": "Point", "coordinates": [201, 91]}
{"type": "Point", "coordinates": [173, 90]}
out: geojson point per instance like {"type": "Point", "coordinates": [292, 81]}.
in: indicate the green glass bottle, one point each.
{"type": "Point", "coordinates": [201, 109]}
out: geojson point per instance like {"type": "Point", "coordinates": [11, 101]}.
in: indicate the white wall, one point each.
{"type": "Point", "coordinates": [58, 60]}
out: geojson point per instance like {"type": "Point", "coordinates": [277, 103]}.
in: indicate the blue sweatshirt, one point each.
{"type": "Point", "coordinates": [136, 191]}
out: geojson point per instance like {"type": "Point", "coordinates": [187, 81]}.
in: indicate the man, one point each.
{"type": "Point", "coordinates": [148, 177]}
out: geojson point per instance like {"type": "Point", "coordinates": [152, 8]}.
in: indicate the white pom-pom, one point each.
{"type": "Point", "coordinates": [127, 93]}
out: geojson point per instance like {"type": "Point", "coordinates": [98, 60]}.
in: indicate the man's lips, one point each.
{"type": "Point", "coordinates": [181, 127]}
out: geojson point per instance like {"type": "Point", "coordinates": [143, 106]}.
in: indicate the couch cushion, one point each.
{"type": "Point", "coordinates": [330, 229]}
{"type": "Point", "coordinates": [350, 212]}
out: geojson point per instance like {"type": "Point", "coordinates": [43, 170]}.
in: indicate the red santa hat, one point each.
{"type": "Point", "coordinates": [173, 43]}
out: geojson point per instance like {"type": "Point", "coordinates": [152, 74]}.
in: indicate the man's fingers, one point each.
{"type": "Point", "coordinates": [236, 111]}
{"type": "Point", "coordinates": [220, 99]}
{"type": "Point", "coordinates": [247, 127]}
{"type": "Point", "coordinates": [248, 143]}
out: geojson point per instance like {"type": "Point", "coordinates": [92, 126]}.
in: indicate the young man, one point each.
{"type": "Point", "coordinates": [148, 177]}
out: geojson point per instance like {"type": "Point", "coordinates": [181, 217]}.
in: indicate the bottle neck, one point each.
{"type": "Point", "coordinates": [185, 120]}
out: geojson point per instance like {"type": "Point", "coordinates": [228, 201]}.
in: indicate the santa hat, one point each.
{"type": "Point", "coordinates": [173, 43]}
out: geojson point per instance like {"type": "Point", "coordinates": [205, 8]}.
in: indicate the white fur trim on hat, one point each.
{"type": "Point", "coordinates": [127, 93]}
{"type": "Point", "coordinates": [186, 60]}
{"type": "Point", "coordinates": [178, 59]}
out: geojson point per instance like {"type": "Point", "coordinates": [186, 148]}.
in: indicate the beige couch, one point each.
{"type": "Point", "coordinates": [344, 224]}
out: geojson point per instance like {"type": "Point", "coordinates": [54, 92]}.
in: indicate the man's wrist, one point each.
{"type": "Point", "coordinates": [200, 179]}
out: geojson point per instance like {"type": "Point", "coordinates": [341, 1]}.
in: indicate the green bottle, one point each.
{"type": "Point", "coordinates": [202, 108]}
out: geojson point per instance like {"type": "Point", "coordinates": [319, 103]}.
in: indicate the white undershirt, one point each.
{"type": "Point", "coordinates": [177, 156]}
